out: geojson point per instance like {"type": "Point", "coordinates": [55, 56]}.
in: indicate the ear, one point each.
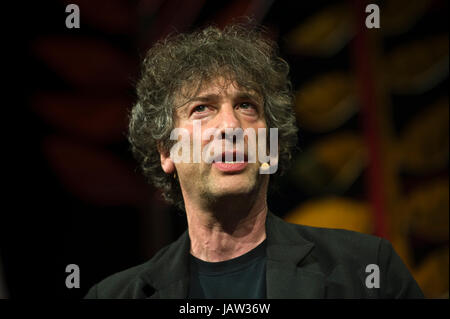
{"type": "Point", "coordinates": [167, 164]}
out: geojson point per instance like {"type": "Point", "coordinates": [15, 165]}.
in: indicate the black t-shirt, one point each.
{"type": "Point", "coordinates": [243, 277]}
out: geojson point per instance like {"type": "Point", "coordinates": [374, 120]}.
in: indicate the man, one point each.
{"type": "Point", "coordinates": [234, 246]}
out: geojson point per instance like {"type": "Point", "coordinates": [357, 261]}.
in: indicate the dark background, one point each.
{"type": "Point", "coordinates": [74, 193]}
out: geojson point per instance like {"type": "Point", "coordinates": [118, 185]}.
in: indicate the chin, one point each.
{"type": "Point", "coordinates": [233, 187]}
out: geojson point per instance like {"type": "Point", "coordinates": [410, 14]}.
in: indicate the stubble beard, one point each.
{"type": "Point", "coordinates": [216, 188]}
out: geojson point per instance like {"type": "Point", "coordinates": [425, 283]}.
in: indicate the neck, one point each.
{"type": "Point", "coordinates": [228, 229]}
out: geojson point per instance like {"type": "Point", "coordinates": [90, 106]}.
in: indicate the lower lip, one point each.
{"type": "Point", "coordinates": [230, 167]}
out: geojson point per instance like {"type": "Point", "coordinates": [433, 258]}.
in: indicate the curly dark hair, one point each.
{"type": "Point", "coordinates": [240, 52]}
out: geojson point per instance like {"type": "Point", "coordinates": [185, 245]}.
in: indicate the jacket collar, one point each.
{"type": "Point", "coordinates": [169, 274]}
{"type": "Point", "coordinates": [291, 270]}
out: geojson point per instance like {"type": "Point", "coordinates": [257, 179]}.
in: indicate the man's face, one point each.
{"type": "Point", "coordinates": [220, 105]}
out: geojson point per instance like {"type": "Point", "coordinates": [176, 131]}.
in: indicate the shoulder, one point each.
{"type": "Point", "coordinates": [341, 246]}
{"type": "Point", "coordinates": [347, 241]}
{"type": "Point", "coordinates": [127, 283]}
{"type": "Point", "coordinates": [331, 241]}
{"type": "Point", "coordinates": [347, 258]}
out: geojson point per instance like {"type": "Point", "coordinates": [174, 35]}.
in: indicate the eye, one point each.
{"type": "Point", "coordinates": [199, 109]}
{"type": "Point", "coordinates": [247, 107]}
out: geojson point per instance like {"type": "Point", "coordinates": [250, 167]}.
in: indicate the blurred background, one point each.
{"type": "Point", "coordinates": [372, 106]}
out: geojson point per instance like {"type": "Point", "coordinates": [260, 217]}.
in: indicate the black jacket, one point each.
{"type": "Point", "coordinates": [302, 262]}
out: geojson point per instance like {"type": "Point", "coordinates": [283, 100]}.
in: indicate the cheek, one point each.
{"type": "Point", "coordinates": [262, 124]}
{"type": "Point", "coordinates": [186, 170]}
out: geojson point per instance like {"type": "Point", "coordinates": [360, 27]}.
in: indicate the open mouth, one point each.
{"type": "Point", "coordinates": [231, 158]}
{"type": "Point", "coordinates": [231, 162]}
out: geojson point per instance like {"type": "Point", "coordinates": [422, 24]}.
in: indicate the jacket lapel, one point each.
{"type": "Point", "coordinates": [169, 276]}
{"type": "Point", "coordinates": [291, 270]}
{"type": "Point", "coordinates": [176, 290]}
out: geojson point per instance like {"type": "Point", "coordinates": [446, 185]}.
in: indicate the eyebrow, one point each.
{"type": "Point", "coordinates": [204, 98]}
{"type": "Point", "coordinates": [215, 97]}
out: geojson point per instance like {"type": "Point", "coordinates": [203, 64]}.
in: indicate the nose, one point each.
{"type": "Point", "coordinates": [228, 118]}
